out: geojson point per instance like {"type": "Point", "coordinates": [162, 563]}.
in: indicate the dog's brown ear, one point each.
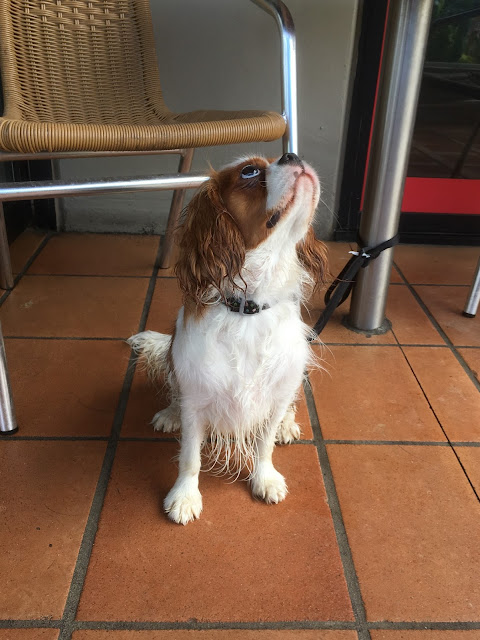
{"type": "Point", "coordinates": [212, 249]}
{"type": "Point", "coordinates": [312, 253]}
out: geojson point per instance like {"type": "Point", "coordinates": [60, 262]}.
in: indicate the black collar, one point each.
{"type": "Point", "coordinates": [247, 307]}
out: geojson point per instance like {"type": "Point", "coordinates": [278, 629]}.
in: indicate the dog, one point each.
{"type": "Point", "coordinates": [237, 357]}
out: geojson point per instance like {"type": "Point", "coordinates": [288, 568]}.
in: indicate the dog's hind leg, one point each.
{"type": "Point", "coordinates": [153, 349]}
{"type": "Point", "coordinates": [184, 501]}
{"type": "Point", "coordinates": [288, 430]}
{"type": "Point", "coordinates": [168, 420]}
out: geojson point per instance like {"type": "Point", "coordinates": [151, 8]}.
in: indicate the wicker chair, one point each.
{"type": "Point", "coordinates": [80, 79]}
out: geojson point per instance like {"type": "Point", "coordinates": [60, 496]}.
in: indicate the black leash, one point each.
{"type": "Point", "coordinates": [341, 287]}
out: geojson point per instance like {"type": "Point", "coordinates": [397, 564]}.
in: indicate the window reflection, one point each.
{"type": "Point", "coordinates": [446, 139]}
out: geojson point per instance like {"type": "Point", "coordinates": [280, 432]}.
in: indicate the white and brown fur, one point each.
{"type": "Point", "coordinates": [234, 378]}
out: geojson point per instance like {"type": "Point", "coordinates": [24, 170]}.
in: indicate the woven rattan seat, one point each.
{"type": "Point", "coordinates": [81, 75]}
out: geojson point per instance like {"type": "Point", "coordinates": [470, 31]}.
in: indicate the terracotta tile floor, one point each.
{"type": "Point", "coordinates": [378, 538]}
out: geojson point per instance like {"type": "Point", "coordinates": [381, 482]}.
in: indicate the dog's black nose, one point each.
{"type": "Point", "coordinates": [290, 158]}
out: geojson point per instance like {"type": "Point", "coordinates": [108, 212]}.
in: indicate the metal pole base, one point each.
{"type": "Point", "coordinates": [383, 328]}
{"type": "Point", "coordinates": [12, 432]}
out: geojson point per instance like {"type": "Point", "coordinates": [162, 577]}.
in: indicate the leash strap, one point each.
{"type": "Point", "coordinates": [341, 287]}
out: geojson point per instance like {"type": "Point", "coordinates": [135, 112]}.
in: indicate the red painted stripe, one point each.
{"type": "Point", "coordinates": [441, 195]}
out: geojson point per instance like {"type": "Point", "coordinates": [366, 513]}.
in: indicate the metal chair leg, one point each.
{"type": "Point", "coordinates": [175, 210]}
{"type": "Point", "coordinates": [6, 274]}
{"type": "Point", "coordinates": [286, 29]}
{"type": "Point", "coordinates": [473, 299]}
{"type": "Point", "coordinates": [8, 423]}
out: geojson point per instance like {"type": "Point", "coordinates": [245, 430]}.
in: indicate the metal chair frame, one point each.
{"type": "Point", "coordinates": [471, 305]}
{"type": "Point", "coordinates": [180, 181]}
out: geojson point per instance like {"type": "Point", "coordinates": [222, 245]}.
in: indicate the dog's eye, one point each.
{"type": "Point", "coordinates": [250, 172]}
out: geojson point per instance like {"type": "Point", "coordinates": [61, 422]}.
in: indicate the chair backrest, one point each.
{"type": "Point", "coordinates": [79, 61]}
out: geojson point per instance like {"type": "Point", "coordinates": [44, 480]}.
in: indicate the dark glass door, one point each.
{"type": "Point", "coordinates": [442, 191]}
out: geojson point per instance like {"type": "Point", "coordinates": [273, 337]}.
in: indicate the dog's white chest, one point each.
{"type": "Point", "coordinates": [239, 368]}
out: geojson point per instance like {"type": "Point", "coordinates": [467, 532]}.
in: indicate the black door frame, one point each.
{"type": "Point", "coordinates": [369, 53]}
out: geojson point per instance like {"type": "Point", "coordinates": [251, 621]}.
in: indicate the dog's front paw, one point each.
{"type": "Point", "coordinates": [269, 485]}
{"type": "Point", "coordinates": [183, 505]}
{"type": "Point", "coordinates": [167, 420]}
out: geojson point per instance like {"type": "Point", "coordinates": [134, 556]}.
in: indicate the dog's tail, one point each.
{"type": "Point", "coordinates": [152, 348]}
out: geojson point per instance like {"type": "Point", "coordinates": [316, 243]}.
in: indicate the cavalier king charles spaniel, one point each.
{"type": "Point", "coordinates": [237, 357]}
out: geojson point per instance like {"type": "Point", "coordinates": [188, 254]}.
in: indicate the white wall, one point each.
{"type": "Point", "coordinates": [224, 54]}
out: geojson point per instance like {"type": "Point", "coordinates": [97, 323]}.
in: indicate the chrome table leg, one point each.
{"type": "Point", "coordinates": [405, 42]}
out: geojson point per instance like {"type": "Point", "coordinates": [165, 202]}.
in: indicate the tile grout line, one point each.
{"type": "Point", "coordinates": [16, 438]}
{"type": "Point", "coordinates": [349, 570]}
{"type": "Point", "coordinates": [428, 284]}
{"type": "Point", "coordinates": [30, 623]}
{"type": "Point", "coordinates": [95, 275]}
{"type": "Point", "coordinates": [282, 625]}
{"type": "Point", "coordinates": [27, 265]}
{"type": "Point", "coordinates": [86, 275]}
{"type": "Point", "coordinates": [149, 625]}
{"type": "Point", "coordinates": [96, 338]}
{"type": "Point", "coordinates": [315, 343]}
{"type": "Point", "coordinates": [389, 443]}
{"type": "Point", "coordinates": [449, 442]}
{"type": "Point", "coordinates": [318, 343]}
{"type": "Point", "coordinates": [294, 625]}
{"type": "Point", "coordinates": [439, 330]}
{"type": "Point", "coordinates": [133, 625]}
{"type": "Point", "coordinates": [433, 284]}
{"type": "Point", "coordinates": [300, 442]}
{"type": "Point", "coordinates": [91, 527]}
{"type": "Point", "coordinates": [429, 626]}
